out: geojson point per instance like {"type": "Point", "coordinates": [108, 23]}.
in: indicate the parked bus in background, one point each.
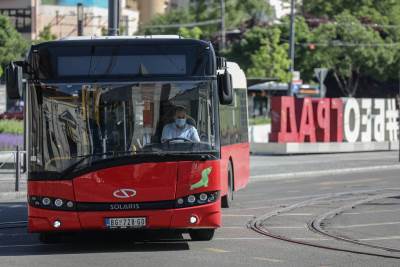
{"type": "Point", "coordinates": [131, 133]}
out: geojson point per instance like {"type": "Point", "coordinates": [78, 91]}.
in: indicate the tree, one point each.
{"type": "Point", "coordinates": [250, 42]}
{"type": "Point", "coordinates": [356, 40]}
{"type": "Point", "coordinates": [45, 35]}
{"type": "Point", "coordinates": [237, 12]}
{"type": "Point", "coordinates": [351, 51]}
{"type": "Point", "coordinates": [194, 33]}
{"type": "Point", "coordinates": [271, 59]}
{"type": "Point", "coordinates": [12, 45]}
{"type": "Point", "coordinates": [303, 37]}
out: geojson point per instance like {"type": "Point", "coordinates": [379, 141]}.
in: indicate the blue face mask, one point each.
{"type": "Point", "coordinates": [180, 122]}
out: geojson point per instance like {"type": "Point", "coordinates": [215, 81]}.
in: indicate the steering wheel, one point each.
{"type": "Point", "coordinates": [178, 139]}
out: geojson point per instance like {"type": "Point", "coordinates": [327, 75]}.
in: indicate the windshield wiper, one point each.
{"type": "Point", "coordinates": [76, 164]}
{"type": "Point", "coordinates": [203, 155]}
{"type": "Point", "coordinates": [84, 157]}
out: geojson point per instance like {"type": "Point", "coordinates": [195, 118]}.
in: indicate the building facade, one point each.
{"type": "Point", "coordinates": [281, 8]}
{"type": "Point", "coordinates": [150, 8]}
{"type": "Point", "coordinates": [31, 16]}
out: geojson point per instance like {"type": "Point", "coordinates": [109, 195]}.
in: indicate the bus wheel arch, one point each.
{"type": "Point", "coordinates": [226, 201]}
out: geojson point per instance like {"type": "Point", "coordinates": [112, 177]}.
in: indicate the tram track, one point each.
{"type": "Point", "coordinates": [259, 224]}
{"type": "Point", "coordinates": [316, 224]}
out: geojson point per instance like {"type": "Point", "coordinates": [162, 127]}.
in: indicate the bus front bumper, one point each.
{"type": "Point", "coordinates": [44, 220]}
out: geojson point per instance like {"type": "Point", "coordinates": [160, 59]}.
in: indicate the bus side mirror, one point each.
{"type": "Point", "coordinates": [14, 81]}
{"type": "Point", "coordinates": [225, 88]}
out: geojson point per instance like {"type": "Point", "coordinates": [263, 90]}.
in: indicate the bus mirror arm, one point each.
{"type": "Point", "coordinates": [225, 88]}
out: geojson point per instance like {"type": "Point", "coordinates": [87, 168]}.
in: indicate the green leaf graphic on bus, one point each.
{"type": "Point", "coordinates": [204, 179]}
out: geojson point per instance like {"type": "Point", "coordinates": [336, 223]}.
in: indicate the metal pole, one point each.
{"type": "Point", "coordinates": [398, 119]}
{"type": "Point", "coordinates": [113, 17]}
{"type": "Point", "coordinates": [17, 169]}
{"type": "Point", "coordinates": [223, 38]}
{"type": "Point", "coordinates": [79, 13]}
{"type": "Point", "coordinates": [321, 88]}
{"type": "Point", "coordinates": [124, 114]}
{"type": "Point", "coordinates": [126, 25]}
{"type": "Point", "coordinates": [291, 44]}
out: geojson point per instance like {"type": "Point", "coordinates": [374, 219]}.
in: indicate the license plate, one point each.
{"type": "Point", "coordinates": [124, 223]}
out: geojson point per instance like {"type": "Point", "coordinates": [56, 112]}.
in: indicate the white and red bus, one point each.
{"type": "Point", "coordinates": [96, 108]}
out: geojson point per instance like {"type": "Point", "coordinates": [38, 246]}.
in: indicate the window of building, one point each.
{"type": "Point", "coordinates": [21, 18]}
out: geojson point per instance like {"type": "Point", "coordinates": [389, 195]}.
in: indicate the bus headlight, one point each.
{"type": "Point", "coordinates": [46, 201]}
{"type": "Point", "coordinates": [70, 204]}
{"type": "Point", "coordinates": [51, 203]}
{"type": "Point", "coordinates": [191, 199]}
{"type": "Point", "coordinates": [203, 197]}
{"type": "Point", "coordinates": [58, 202]}
{"type": "Point", "coordinates": [197, 199]}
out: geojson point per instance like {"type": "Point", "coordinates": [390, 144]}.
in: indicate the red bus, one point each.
{"type": "Point", "coordinates": [103, 153]}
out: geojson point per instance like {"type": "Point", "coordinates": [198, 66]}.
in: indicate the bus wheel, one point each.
{"type": "Point", "coordinates": [201, 234]}
{"type": "Point", "coordinates": [227, 200]}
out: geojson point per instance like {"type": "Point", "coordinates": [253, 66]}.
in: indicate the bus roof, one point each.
{"type": "Point", "coordinates": [120, 40]}
{"type": "Point", "coordinates": [95, 37]}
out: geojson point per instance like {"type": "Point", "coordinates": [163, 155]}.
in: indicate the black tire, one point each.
{"type": "Point", "coordinates": [227, 200]}
{"type": "Point", "coordinates": [49, 238]}
{"type": "Point", "coordinates": [201, 234]}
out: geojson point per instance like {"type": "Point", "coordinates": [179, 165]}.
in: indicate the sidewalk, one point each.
{"type": "Point", "coordinates": [294, 165]}
{"type": "Point", "coordinates": [7, 183]}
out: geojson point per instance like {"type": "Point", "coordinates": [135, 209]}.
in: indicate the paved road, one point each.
{"type": "Point", "coordinates": [272, 165]}
{"type": "Point", "coordinates": [368, 202]}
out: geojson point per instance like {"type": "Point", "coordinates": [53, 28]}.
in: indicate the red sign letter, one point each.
{"type": "Point", "coordinates": [307, 126]}
{"type": "Point", "coordinates": [284, 128]}
{"type": "Point", "coordinates": [336, 120]}
{"type": "Point", "coordinates": [323, 120]}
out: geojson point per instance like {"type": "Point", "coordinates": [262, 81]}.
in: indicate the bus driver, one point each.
{"type": "Point", "coordinates": [180, 129]}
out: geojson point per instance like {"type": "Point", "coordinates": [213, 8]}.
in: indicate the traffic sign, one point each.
{"type": "Point", "coordinates": [321, 73]}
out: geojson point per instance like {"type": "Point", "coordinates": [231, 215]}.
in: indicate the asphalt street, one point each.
{"type": "Point", "coordinates": [345, 214]}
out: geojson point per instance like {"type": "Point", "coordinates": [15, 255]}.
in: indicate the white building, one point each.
{"type": "Point", "coordinates": [30, 16]}
{"type": "Point", "coordinates": [281, 8]}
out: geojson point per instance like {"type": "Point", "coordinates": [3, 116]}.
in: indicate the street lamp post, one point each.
{"type": "Point", "coordinates": [291, 44]}
{"type": "Point", "coordinates": [223, 38]}
{"type": "Point", "coordinates": [79, 15]}
{"type": "Point", "coordinates": [113, 17]}
{"type": "Point", "coordinates": [398, 119]}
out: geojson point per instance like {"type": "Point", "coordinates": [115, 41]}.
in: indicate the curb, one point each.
{"type": "Point", "coordinates": [293, 175]}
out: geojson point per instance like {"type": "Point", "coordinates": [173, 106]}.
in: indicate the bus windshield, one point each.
{"type": "Point", "coordinates": [78, 124]}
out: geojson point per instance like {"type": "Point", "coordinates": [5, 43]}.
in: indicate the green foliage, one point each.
{"type": "Point", "coordinates": [271, 59]}
{"type": "Point", "coordinates": [172, 17]}
{"type": "Point", "coordinates": [241, 52]}
{"type": "Point", "coordinates": [356, 40]}
{"type": "Point", "coordinates": [237, 12]}
{"type": "Point", "coordinates": [351, 55]}
{"type": "Point", "coordinates": [194, 33]}
{"type": "Point", "coordinates": [375, 10]}
{"type": "Point", "coordinates": [45, 35]}
{"type": "Point", "coordinates": [260, 120]}
{"type": "Point", "coordinates": [104, 31]}
{"type": "Point", "coordinates": [11, 126]}
{"type": "Point", "coordinates": [261, 53]}
{"type": "Point", "coordinates": [12, 45]}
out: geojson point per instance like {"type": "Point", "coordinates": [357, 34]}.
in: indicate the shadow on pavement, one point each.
{"type": "Point", "coordinates": [19, 243]}
{"type": "Point", "coordinates": [16, 241]}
